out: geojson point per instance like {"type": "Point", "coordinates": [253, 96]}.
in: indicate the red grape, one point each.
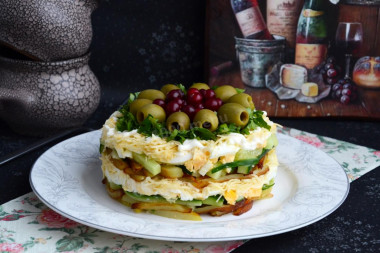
{"type": "Point", "coordinates": [173, 94]}
{"type": "Point", "coordinates": [337, 86]}
{"type": "Point", "coordinates": [212, 104]}
{"type": "Point", "coordinates": [171, 107]}
{"type": "Point", "coordinates": [338, 94]}
{"type": "Point", "coordinates": [202, 91]}
{"type": "Point", "coordinates": [179, 101]}
{"type": "Point", "coordinates": [159, 102]}
{"type": "Point", "coordinates": [344, 99]}
{"type": "Point", "coordinates": [209, 94]}
{"type": "Point", "coordinates": [332, 73]}
{"type": "Point", "coordinates": [346, 92]}
{"type": "Point", "coordinates": [194, 99]}
{"type": "Point", "coordinates": [347, 86]}
{"type": "Point", "coordinates": [198, 107]}
{"type": "Point", "coordinates": [189, 110]}
{"type": "Point", "coordinates": [192, 91]}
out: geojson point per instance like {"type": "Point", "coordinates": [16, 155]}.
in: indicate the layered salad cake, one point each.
{"type": "Point", "coordinates": [180, 153]}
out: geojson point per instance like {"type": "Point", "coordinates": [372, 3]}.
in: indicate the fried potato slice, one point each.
{"type": "Point", "coordinates": [214, 209]}
{"type": "Point", "coordinates": [177, 215]}
{"type": "Point", "coordinates": [171, 171]}
{"type": "Point", "coordinates": [242, 207]}
{"type": "Point", "coordinates": [115, 194]}
{"type": "Point", "coordinates": [161, 206]}
{"type": "Point", "coordinates": [119, 163]}
{"type": "Point", "coordinates": [135, 165]}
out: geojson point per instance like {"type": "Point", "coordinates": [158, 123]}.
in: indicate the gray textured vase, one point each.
{"type": "Point", "coordinates": [47, 30]}
{"type": "Point", "coordinates": [39, 98]}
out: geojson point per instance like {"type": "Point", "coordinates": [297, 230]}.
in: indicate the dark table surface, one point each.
{"type": "Point", "coordinates": [353, 227]}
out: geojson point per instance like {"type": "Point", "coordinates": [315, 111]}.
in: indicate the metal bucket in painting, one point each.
{"type": "Point", "coordinates": [257, 57]}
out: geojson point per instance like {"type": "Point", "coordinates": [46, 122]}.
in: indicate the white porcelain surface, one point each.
{"type": "Point", "coordinates": [309, 186]}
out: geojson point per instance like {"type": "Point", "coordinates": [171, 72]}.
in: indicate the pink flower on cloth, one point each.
{"type": "Point", "coordinates": [311, 140]}
{"type": "Point", "coordinates": [55, 220]}
{"type": "Point", "coordinates": [11, 247]}
{"type": "Point", "coordinates": [229, 246]}
{"type": "Point", "coordinates": [377, 153]}
{"type": "Point", "coordinates": [169, 250]}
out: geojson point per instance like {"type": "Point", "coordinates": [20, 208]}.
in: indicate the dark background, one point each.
{"type": "Point", "coordinates": [147, 43]}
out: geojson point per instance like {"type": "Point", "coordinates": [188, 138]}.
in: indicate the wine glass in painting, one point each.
{"type": "Point", "coordinates": [349, 38]}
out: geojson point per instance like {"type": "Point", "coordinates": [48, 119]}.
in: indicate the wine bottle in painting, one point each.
{"type": "Point", "coordinates": [282, 17]}
{"type": "Point", "coordinates": [311, 38]}
{"type": "Point", "coordinates": [250, 19]}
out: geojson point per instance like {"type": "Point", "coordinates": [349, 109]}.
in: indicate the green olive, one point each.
{"type": "Point", "coordinates": [200, 86]}
{"type": "Point", "coordinates": [168, 87]}
{"type": "Point", "coordinates": [242, 98]}
{"type": "Point", "coordinates": [224, 92]}
{"type": "Point", "coordinates": [206, 118]}
{"type": "Point", "coordinates": [151, 94]}
{"type": "Point", "coordinates": [137, 104]}
{"type": "Point", "coordinates": [178, 120]}
{"type": "Point", "coordinates": [233, 113]}
{"type": "Point", "coordinates": [155, 110]}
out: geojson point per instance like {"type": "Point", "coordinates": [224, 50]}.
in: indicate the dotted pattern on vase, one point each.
{"type": "Point", "coordinates": [40, 96]}
{"type": "Point", "coordinates": [47, 30]}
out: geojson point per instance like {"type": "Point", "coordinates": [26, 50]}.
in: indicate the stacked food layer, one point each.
{"type": "Point", "coordinates": [189, 161]}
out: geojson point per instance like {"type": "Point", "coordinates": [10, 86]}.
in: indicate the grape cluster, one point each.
{"type": "Point", "coordinates": [345, 91]}
{"type": "Point", "coordinates": [330, 70]}
{"type": "Point", "coordinates": [194, 101]}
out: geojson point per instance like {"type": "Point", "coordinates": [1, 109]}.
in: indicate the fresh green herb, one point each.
{"type": "Point", "coordinates": [132, 97]}
{"type": "Point", "coordinates": [202, 133]}
{"type": "Point", "coordinates": [101, 148]}
{"type": "Point", "coordinates": [214, 87]}
{"type": "Point", "coordinates": [255, 120]}
{"type": "Point", "coordinates": [125, 107]}
{"type": "Point", "coordinates": [194, 133]}
{"type": "Point", "coordinates": [267, 186]}
{"type": "Point", "coordinates": [126, 123]}
{"type": "Point", "coordinates": [185, 170]}
{"type": "Point", "coordinates": [239, 90]}
{"type": "Point", "coordinates": [150, 126]}
{"type": "Point", "coordinates": [182, 88]}
{"type": "Point", "coordinates": [247, 162]}
{"type": "Point", "coordinates": [227, 128]}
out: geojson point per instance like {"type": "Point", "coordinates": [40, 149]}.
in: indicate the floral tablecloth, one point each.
{"type": "Point", "coordinates": [27, 225]}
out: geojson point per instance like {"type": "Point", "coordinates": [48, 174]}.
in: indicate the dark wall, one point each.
{"type": "Point", "coordinates": [140, 44]}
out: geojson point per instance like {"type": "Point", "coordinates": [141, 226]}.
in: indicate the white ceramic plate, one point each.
{"type": "Point", "coordinates": [309, 186]}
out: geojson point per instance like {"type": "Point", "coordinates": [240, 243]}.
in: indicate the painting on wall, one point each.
{"type": "Point", "coordinates": [295, 58]}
